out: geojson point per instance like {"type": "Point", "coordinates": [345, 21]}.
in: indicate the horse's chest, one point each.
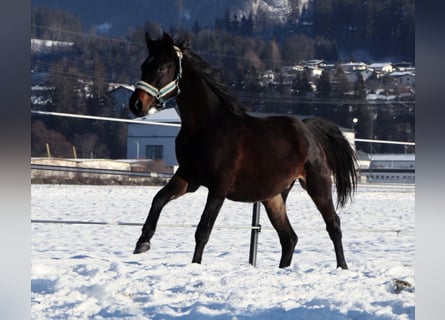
{"type": "Point", "coordinates": [191, 151]}
{"type": "Point", "coordinates": [204, 154]}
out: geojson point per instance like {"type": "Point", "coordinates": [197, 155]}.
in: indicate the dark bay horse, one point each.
{"type": "Point", "coordinates": [238, 156]}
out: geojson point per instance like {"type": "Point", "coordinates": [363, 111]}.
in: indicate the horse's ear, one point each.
{"type": "Point", "coordinates": [148, 40]}
{"type": "Point", "coordinates": [167, 39]}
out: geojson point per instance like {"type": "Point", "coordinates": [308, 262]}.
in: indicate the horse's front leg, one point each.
{"type": "Point", "coordinates": [211, 210]}
{"type": "Point", "coordinates": [175, 188]}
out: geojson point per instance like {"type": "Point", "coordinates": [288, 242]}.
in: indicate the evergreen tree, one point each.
{"type": "Point", "coordinates": [246, 26]}
{"type": "Point", "coordinates": [340, 83]}
{"type": "Point", "coordinates": [196, 27]}
{"type": "Point", "coordinates": [234, 24]}
{"type": "Point", "coordinates": [99, 77]}
{"type": "Point", "coordinates": [297, 48]}
{"type": "Point", "coordinates": [272, 56]}
{"type": "Point", "coordinates": [324, 85]}
{"type": "Point", "coordinates": [54, 24]}
{"type": "Point", "coordinates": [301, 85]}
{"type": "Point", "coordinates": [68, 95]}
{"type": "Point", "coordinates": [323, 18]}
{"type": "Point", "coordinates": [293, 16]}
{"type": "Point", "coordinates": [359, 87]}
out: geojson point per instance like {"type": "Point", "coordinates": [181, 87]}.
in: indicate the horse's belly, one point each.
{"type": "Point", "coordinates": [259, 190]}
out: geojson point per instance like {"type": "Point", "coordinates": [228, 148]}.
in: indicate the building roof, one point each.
{"type": "Point", "coordinates": [169, 115]}
{"type": "Point", "coordinates": [393, 157]}
{"type": "Point", "coordinates": [402, 73]}
{"type": "Point", "coordinates": [119, 86]}
{"type": "Point", "coordinates": [379, 64]}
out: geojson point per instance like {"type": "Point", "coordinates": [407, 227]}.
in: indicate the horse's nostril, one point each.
{"type": "Point", "coordinates": [138, 105]}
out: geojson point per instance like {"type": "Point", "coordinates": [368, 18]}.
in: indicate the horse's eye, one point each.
{"type": "Point", "coordinates": [162, 67]}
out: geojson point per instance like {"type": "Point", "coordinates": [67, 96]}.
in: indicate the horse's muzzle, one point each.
{"type": "Point", "coordinates": [140, 103]}
{"type": "Point", "coordinates": [136, 107]}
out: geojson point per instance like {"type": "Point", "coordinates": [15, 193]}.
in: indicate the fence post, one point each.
{"type": "Point", "coordinates": [256, 229]}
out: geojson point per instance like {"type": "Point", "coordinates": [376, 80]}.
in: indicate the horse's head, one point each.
{"type": "Point", "coordinates": [161, 72]}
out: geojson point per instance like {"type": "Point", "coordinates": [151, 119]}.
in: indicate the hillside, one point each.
{"type": "Point", "coordinates": [116, 17]}
{"type": "Point", "coordinates": [352, 26]}
{"type": "Point", "coordinates": [72, 72]}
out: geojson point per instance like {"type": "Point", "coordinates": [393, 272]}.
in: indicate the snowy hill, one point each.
{"type": "Point", "coordinates": [276, 9]}
{"type": "Point", "coordinates": [118, 16]}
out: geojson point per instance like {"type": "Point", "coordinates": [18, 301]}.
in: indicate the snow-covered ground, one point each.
{"type": "Point", "coordinates": [89, 272]}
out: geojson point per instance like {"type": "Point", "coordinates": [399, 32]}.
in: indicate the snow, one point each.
{"type": "Point", "coordinates": [84, 271]}
{"type": "Point", "coordinates": [276, 9]}
{"type": "Point", "coordinates": [39, 45]}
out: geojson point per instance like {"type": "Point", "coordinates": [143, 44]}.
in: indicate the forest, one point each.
{"type": "Point", "coordinates": [241, 48]}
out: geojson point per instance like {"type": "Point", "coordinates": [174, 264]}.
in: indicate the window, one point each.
{"type": "Point", "coordinates": [153, 152]}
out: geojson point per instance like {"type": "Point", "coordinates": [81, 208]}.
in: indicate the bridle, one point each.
{"type": "Point", "coordinates": [160, 94]}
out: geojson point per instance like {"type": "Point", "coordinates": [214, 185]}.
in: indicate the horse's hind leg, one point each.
{"type": "Point", "coordinates": [276, 211]}
{"type": "Point", "coordinates": [175, 188]}
{"type": "Point", "coordinates": [318, 185]}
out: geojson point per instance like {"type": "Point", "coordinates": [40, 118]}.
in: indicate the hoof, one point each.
{"type": "Point", "coordinates": [142, 247]}
{"type": "Point", "coordinates": [343, 266]}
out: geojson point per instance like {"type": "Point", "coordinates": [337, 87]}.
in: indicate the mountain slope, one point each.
{"type": "Point", "coordinates": [116, 16]}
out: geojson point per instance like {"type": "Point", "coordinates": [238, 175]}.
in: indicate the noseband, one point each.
{"type": "Point", "coordinates": [160, 94]}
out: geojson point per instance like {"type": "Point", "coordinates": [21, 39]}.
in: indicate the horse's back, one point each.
{"type": "Point", "coordinates": [278, 136]}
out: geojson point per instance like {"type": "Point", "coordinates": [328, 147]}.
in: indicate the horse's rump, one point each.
{"type": "Point", "coordinates": [340, 156]}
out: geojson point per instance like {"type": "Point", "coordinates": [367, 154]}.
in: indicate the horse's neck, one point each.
{"type": "Point", "coordinates": [197, 116]}
{"type": "Point", "coordinates": [198, 105]}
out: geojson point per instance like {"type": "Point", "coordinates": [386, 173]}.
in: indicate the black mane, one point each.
{"type": "Point", "coordinates": [209, 75]}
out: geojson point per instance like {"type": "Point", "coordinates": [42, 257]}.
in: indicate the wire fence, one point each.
{"type": "Point", "coordinates": [255, 228]}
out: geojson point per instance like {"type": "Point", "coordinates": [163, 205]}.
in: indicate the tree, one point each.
{"type": "Point", "coordinates": [234, 24]}
{"type": "Point", "coordinates": [323, 18]}
{"type": "Point", "coordinates": [99, 77]}
{"type": "Point", "coordinates": [42, 136]}
{"type": "Point", "coordinates": [196, 27]}
{"type": "Point", "coordinates": [246, 26]}
{"type": "Point", "coordinates": [271, 55]}
{"type": "Point", "coordinates": [296, 48]}
{"type": "Point", "coordinates": [301, 85]}
{"type": "Point", "coordinates": [68, 96]}
{"type": "Point", "coordinates": [340, 83]}
{"type": "Point", "coordinates": [53, 24]}
{"type": "Point", "coordinates": [294, 14]}
{"type": "Point", "coordinates": [325, 49]}
{"type": "Point", "coordinates": [324, 85]}
{"type": "Point", "coordinates": [359, 87]}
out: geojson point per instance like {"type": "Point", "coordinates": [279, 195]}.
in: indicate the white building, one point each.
{"type": "Point", "coordinates": [390, 168]}
{"type": "Point", "coordinates": [381, 67]}
{"type": "Point", "coordinates": [120, 95]}
{"type": "Point", "coordinates": [404, 78]}
{"type": "Point", "coordinates": [354, 66]}
{"type": "Point", "coordinates": [154, 141]}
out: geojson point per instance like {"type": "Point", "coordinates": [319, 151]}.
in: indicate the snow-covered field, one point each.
{"type": "Point", "coordinates": [84, 271]}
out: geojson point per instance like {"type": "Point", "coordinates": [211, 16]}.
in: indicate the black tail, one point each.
{"type": "Point", "coordinates": [340, 156]}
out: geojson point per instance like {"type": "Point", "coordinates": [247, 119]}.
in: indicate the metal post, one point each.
{"type": "Point", "coordinates": [137, 149]}
{"type": "Point", "coordinates": [256, 229]}
{"type": "Point", "coordinates": [48, 151]}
